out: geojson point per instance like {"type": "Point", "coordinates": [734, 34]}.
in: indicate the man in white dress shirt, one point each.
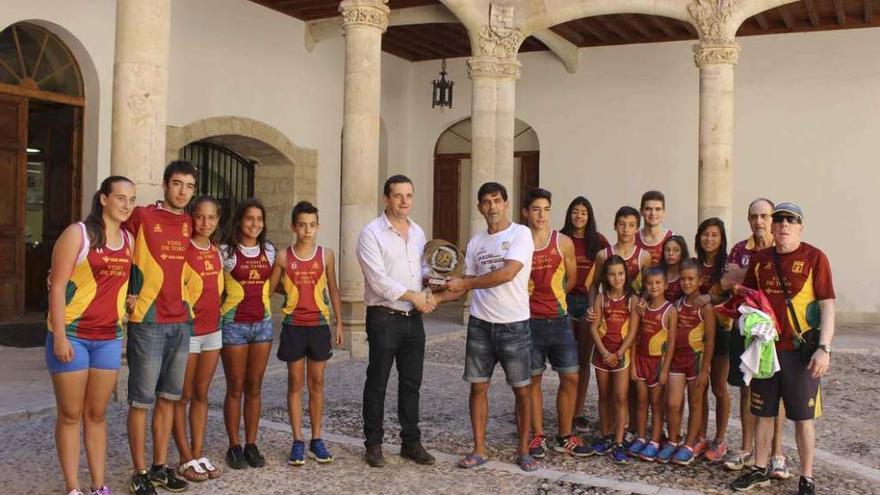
{"type": "Point", "coordinates": [389, 251]}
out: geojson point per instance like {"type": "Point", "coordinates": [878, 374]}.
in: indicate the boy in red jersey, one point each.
{"type": "Point", "coordinates": [159, 325]}
{"type": "Point", "coordinates": [626, 225]}
{"type": "Point", "coordinates": [552, 276]}
{"type": "Point", "coordinates": [308, 275]}
{"type": "Point", "coordinates": [652, 235]}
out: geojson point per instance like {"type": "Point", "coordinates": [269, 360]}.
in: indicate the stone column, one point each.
{"type": "Point", "coordinates": [716, 62]}
{"type": "Point", "coordinates": [363, 21]}
{"type": "Point", "coordinates": [140, 88]}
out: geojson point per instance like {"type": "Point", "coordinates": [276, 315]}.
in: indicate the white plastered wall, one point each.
{"type": "Point", "coordinates": [806, 131]}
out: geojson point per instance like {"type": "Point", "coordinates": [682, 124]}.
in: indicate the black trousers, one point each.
{"type": "Point", "coordinates": [393, 337]}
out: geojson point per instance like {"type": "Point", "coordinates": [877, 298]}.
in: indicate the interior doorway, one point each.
{"type": "Point", "coordinates": [41, 107]}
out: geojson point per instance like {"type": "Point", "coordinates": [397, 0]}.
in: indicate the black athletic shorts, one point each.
{"type": "Point", "coordinates": [721, 341]}
{"type": "Point", "coordinates": [800, 392]}
{"type": "Point", "coordinates": [299, 342]}
{"type": "Point", "coordinates": [736, 345]}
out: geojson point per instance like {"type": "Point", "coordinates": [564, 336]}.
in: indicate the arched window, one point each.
{"type": "Point", "coordinates": [34, 59]}
{"type": "Point", "coordinates": [223, 173]}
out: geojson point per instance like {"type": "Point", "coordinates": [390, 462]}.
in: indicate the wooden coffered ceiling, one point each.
{"type": "Point", "coordinates": [438, 40]}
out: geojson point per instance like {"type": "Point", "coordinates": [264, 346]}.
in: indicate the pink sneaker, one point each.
{"type": "Point", "coordinates": [700, 447]}
{"type": "Point", "coordinates": [716, 451]}
{"type": "Point", "coordinates": [104, 490]}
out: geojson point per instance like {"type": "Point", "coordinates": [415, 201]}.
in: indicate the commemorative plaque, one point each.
{"type": "Point", "coordinates": [443, 260]}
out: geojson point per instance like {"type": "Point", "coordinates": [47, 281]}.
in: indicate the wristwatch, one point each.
{"type": "Point", "coordinates": [825, 347]}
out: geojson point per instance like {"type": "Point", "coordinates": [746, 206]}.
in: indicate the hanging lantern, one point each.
{"type": "Point", "coordinates": [442, 95]}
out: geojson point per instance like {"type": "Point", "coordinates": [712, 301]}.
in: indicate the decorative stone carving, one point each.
{"type": "Point", "coordinates": [373, 13]}
{"type": "Point", "coordinates": [712, 19]}
{"type": "Point", "coordinates": [493, 67]}
{"type": "Point", "coordinates": [712, 53]}
{"type": "Point", "coordinates": [500, 38]}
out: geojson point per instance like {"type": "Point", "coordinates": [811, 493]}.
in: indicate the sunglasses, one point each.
{"type": "Point", "coordinates": [786, 218]}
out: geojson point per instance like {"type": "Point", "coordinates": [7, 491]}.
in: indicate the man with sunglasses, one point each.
{"type": "Point", "coordinates": [796, 278]}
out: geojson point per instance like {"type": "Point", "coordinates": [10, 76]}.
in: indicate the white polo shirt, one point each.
{"type": "Point", "coordinates": [508, 302]}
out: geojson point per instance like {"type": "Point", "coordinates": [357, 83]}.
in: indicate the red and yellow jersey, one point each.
{"type": "Point", "coordinates": [161, 241]}
{"type": "Point", "coordinates": [673, 290]}
{"type": "Point", "coordinates": [707, 284]}
{"type": "Point", "coordinates": [741, 252]}
{"type": "Point", "coordinates": [655, 250]}
{"type": "Point", "coordinates": [633, 268]}
{"type": "Point", "coordinates": [246, 281]}
{"type": "Point", "coordinates": [653, 333]}
{"type": "Point", "coordinates": [586, 263]}
{"type": "Point", "coordinates": [203, 278]}
{"type": "Point", "coordinates": [96, 291]}
{"type": "Point", "coordinates": [690, 336]}
{"type": "Point", "coordinates": [547, 281]}
{"type": "Point", "coordinates": [807, 273]}
{"type": "Point", "coordinates": [306, 296]}
{"type": "Point", "coordinates": [614, 326]}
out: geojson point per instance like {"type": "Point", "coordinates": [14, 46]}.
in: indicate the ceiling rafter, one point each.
{"type": "Point", "coordinates": [869, 11]}
{"type": "Point", "coordinates": [762, 21]}
{"type": "Point", "coordinates": [811, 11]}
{"type": "Point", "coordinates": [634, 23]}
{"type": "Point", "coordinates": [840, 12]}
{"type": "Point", "coordinates": [787, 18]}
{"type": "Point", "coordinates": [609, 25]}
{"type": "Point", "coordinates": [662, 26]}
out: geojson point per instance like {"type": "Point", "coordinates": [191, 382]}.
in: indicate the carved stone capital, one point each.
{"type": "Point", "coordinates": [712, 19]}
{"type": "Point", "coordinates": [493, 67]}
{"type": "Point", "coordinates": [716, 53]}
{"type": "Point", "coordinates": [372, 13]}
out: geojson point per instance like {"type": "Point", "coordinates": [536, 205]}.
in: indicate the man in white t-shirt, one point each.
{"type": "Point", "coordinates": [499, 262]}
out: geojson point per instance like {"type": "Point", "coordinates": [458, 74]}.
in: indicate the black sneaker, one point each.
{"type": "Point", "coordinates": [253, 456]}
{"type": "Point", "coordinates": [755, 477]}
{"type": "Point", "coordinates": [806, 486]}
{"type": "Point", "coordinates": [140, 484]}
{"type": "Point", "coordinates": [235, 457]}
{"type": "Point", "coordinates": [166, 478]}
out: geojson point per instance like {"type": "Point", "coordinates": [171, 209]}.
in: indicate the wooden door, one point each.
{"type": "Point", "coordinates": [13, 159]}
{"type": "Point", "coordinates": [529, 176]}
{"type": "Point", "coordinates": [447, 172]}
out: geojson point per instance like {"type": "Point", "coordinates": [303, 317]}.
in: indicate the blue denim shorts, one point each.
{"type": "Point", "coordinates": [157, 355]}
{"type": "Point", "coordinates": [577, 305]}
{"type": "Point", "coordinates": [490, 343]}
{"type": "Point", "coordinates": [247, 333]}
{"type": "Point", "coordinates": [94, 354]}
{"type": "Point", "coordinates": [553, 340]}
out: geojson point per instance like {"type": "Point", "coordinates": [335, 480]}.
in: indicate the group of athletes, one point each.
{"type": "Point", "coordinates": [640, 311]}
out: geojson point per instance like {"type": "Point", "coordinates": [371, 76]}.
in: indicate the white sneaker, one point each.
{"type": "Point", "coordinates": [778, 469]}
{"type": "Point", "coordinates": [75, 491]}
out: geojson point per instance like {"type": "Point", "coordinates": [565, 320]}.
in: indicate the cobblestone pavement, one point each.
{"type": "Point", "coordinates": [846, 464]}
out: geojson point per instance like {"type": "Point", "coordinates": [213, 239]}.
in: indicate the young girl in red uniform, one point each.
{"type": "Point", "coordinates": [308, 276]}
{"type": "Point", "coordinates": [614, 333]}
{"type": "Point", "coordinates": [91, 263]}
{"type": "Point", "coordinates": [675, 250]}
{"type": "Point", "coordinates": [655, 348]}
{"type": "Point", "coordinates": [690, 366]}
{"type": "Point", "coordinates": [203, 280]}
{"type": "Point", "coordinates": [247, 327]}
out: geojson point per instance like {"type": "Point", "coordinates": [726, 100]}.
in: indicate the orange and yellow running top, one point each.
{"type": "Point", "coordinates": [161, 240]}
{"type": "Point", "coordinates": [306, 298]}
{"type": "Point", "coordinates": [203, 278]}
{"type": "Point", "coordinates": [614, 326]}
{"type": "Point", "coordinates": [653, 333]}
{"type": "Point", "coordinates": [547, 281]}
{"type": "Point", "coordinates": [246, 280]}
{"type": "Point", "coordinates": [633, 268]}
{"type": "Point", "coordinates": [690, 336]}
{"type": "Point", "coordinates": [96, 291]}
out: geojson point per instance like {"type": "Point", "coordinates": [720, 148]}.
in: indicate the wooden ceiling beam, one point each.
{"type": "Point", "coordinates": [422, 46]}
{"type": "Point", "coordinates": [840, 11]}
{"type": "Point", "coordinates": [447, 35]}
{"type": "Point", "coordinates": [811, 11]}
{"type": "Point", "coordinates": [569, 32]}
{"type": "Point", "coordinates": [786, 17]}
{"type": "Point", "coordinates": [869, 11]}
{"type": "Point", "coordinates": [595, 31]}
{"type": "Point", "coordinates": [662, 26]}
{"type": "Point", "coordinates": [609, 25]}
{"type": "Point", "coordinates": [689, 27]}
{"type": "Point", "coordinates": [637, 25]}
{"type": "Point", "coordinates": [762, 21]}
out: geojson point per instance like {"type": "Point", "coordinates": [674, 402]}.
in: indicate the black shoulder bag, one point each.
{"type": "Point", "coordinates": [807, 341]}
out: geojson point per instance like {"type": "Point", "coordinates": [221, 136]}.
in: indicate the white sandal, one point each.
{"type": "Point", "coordinates": [212, 471]}
{"type": "Point", "coordinates": [192, 471]}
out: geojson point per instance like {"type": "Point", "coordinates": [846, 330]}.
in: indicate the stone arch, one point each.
{"type": "Point", "coordinates": [285, 173]}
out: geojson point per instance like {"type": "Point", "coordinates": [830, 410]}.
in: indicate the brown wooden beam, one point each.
{"type": "Point", "coordinates": [37, 94]}
{"type": "Point", "coordinates": [609, 25]}
{"type": "Point", "coordinates": [762, 21]}
{"type": "Point", "coordinates": [840, 12]}
{"type": "Point", "coordinates": [448, 35]}
{"type": "Point", "coordinates": [689, 27]}
{"type": "Point", "coordinates": [869, 11]}
{"type": "Point", "coordinates": [786, 16]}
{"type": "Point", "coordinates": [569, 32]}
{"type": "Point", "coordinates": [594, 31]}
{"type": "Point", "coordinates": [662, 26]}
{"type": "Point", "coordinates": [638, 26]}
{"type": "Point", "coordinates": [811, 11]}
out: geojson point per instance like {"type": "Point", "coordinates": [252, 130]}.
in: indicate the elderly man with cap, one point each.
{"type": "Point", "coordinates": [796, 278]}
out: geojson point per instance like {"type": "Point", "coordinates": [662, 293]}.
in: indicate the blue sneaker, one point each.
{"type": "Point", "coordinates": [649, 453]}
{"type": "Point", "coordinates": [573, 445]}
{"type": "Point", "coordinates": [618, 454]}
{"type": "Point", "coordinates": [319, 452]}
{"type": "Point", "coordinates": [602, 445]}
{"type": "Point", "coordinates": [666, 452]}
{"type": "Point", "coordinates": [683, 456]}
{"type": "Point", "coordinates": [297, 453]}
{"type": "Point", "coordinates": [635, 448]}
